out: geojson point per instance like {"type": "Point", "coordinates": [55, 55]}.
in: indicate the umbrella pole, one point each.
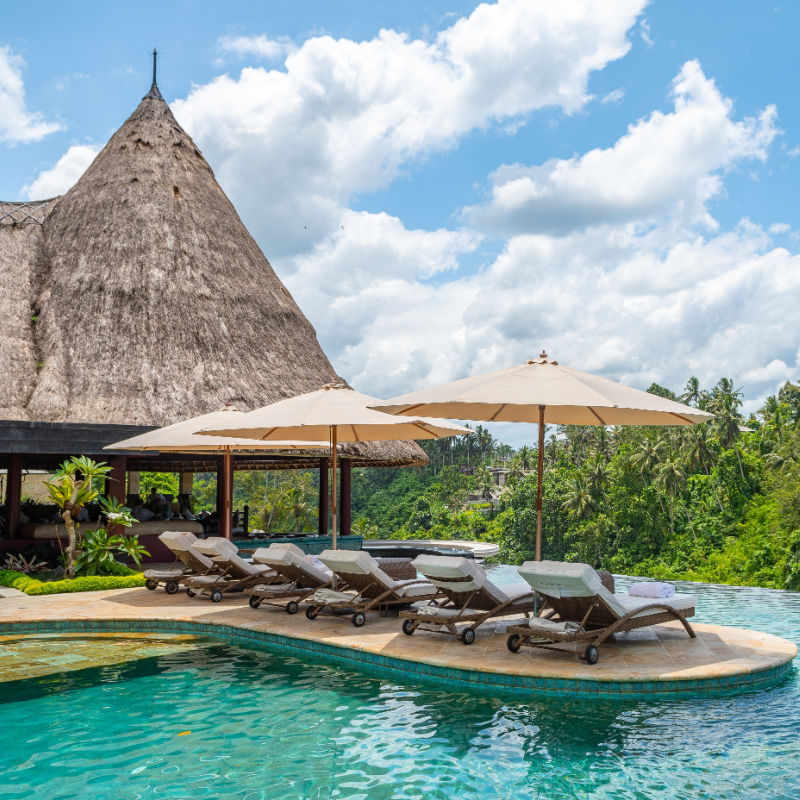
{"type": "Point", "coordinates": [540, 473]}
{"type": "Point", "coordinates": [334, 506]}
{"type": "Point", "coordinates": [227, 496]}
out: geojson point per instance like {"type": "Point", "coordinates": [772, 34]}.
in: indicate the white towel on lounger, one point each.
{"type": "Point", "coordinates": [651, 589]}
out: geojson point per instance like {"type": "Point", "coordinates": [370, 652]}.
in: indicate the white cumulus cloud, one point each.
{"type": "Point", "coordinates": [17, 123]}
{"type": "Point", "coordinates": [292, 145]}
{"type": "Point", "coordinates": [667, 164]}
{"type": "Point", "coordinates": [63, 175]}
{"type": "Point", "coordinates": [260, 46]}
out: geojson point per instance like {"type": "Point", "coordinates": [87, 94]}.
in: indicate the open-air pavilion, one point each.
{"type": "Point", "coordinates": [139, 299]}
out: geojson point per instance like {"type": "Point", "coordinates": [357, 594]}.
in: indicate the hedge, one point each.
{"type": "Point", "coordinates": [94, 583]}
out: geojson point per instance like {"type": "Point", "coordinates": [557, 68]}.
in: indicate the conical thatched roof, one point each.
{"type": "Point", "coordinates": [152, 301]}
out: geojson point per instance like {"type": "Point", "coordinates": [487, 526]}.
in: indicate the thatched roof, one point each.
{"type": "Point", "coordinates": [152, 302]}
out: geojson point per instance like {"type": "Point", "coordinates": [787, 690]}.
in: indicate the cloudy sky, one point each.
{"type": "Point", "coordinates": [447, 187]}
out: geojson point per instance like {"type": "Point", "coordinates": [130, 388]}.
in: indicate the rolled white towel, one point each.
{"type": "Point", "coordinates": [651, 589]}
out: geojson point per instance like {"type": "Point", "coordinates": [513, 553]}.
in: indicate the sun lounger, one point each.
{"type": "Point", "coordinates": [233, 573]}
{"type": "Point", "coordinates": [301, 577]}
{"type": "Point", "coordinates": [466, 598]}
{"type": "Point", "coordinates": [580, 609]}
{"type": "Point", "coordinates": [188, 562]}
{"type": "Point", "coordinates": [363, 585]}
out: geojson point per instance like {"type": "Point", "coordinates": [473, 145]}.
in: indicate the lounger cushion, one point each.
{"type": "Point", "coordinates": [680, 602]}
{"type": "Point", "coordinates": [355, 562]}
{"type": "Point", "coordinates": [183, 544]}
{"type": "Point", "coordinates": [413, 587]}
{"type": "Point", "coordinates": [289, 555]}
{"type": "Point", "coordinates": [279, 553]}
{"type": "Point", "coordinates": [559, 579]}
{"type": "Point", "coordinates": [456, 574]}
{"type": "Point", "coordinates": [164, 574]}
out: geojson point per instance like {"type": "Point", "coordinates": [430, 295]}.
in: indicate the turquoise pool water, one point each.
{"type": "Point", "coordinates": [194, 718]}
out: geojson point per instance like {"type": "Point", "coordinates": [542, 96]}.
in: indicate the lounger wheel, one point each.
{"type": "Point", "coordinates": [216, 596]}
{"type": "Point", "coordinates": [514, 642]}
{"type": "Point", "coordinates": [409, 626]}
{"type": "Point", "coordinates": [358, 619]}
{"type": "Point", "coordinates": [467, 636]}
{"type": "Point", "coordinates": [191, 592]}
{"type": "Point", "coordinates": [312, 612]}
{"type": "Point", "coordinates": [591, 655]}
{"type": "Point", "coordinates": [150, 584]}
{"type": "Point", "coordinates": [292, 607]}
{"type": "Point", "coordinates": [170, 587]}
{"type": "Point", "coordinates": [254, 601]}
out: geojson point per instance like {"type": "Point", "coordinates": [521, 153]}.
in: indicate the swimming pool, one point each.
{"type": "Point", "coordinates": [190, 717]}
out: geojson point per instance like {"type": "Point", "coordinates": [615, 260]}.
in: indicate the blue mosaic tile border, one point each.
{"type": "Point", "coordinates": [451, 678]}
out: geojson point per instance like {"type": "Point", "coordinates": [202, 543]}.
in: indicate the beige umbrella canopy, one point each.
{"type": "Point", "coordinates": [181, 437]}
{"type": "Point", "coordinates": [544, 391]}
{"type": "Point", "coordinates": [337, 413]}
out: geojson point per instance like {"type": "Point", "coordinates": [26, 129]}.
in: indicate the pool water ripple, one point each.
{"type": "Point", "coordinates": [196, 718]}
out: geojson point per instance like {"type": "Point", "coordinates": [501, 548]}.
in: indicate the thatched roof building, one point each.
{"type": "Point", "coordinates": [139, 298]}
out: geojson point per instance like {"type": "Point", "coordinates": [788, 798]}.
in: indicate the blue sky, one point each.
{"type": "Point", "coordinates": [446, 188]}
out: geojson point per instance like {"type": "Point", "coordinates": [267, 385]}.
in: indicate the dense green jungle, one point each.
{"type": "Point", "coordinates": [718, 502]}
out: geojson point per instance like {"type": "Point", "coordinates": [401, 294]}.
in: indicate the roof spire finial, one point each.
{"type": "Point", "coordinates": [154, 93]}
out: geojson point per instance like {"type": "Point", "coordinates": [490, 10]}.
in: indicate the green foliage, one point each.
{"type": "Point", "coordinates": [706, 502]}
{"type": "Point", "coordinates": [96, 556]}
{"type": "Point", "coordinates": [162, 482]}
{"type": "Point", "coordinates": [31, 586]}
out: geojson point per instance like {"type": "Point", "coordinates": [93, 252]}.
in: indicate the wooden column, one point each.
{"type": "Point", "coordinates": [220, 486]}
{"type": "Point", "coordinates": [345, 498]}
{"type": "Point", "coordinates": [115, 484]}
{"type": "Point", "coordinates": [323, 497]}
{"type": "Point", "coordinates": [13, 494]}
{"type": "Point", "coordinates": [226, 512]}
{"type": "Point", "coordinates": [186, 483]}
{"type": "Point", "coordinates": [133, 482]}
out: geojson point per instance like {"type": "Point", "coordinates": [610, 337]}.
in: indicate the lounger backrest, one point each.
{"type": "Point", "coordinates": [182, 543]}
{"type": "Point", "coordinates": [358, 568]}
{"type": "Point", "coordinates": [290, 561]}
{"type": "Point", "coordinates": [461, 580]}
{"type": "Point", "coordinates": [559, 581]}
{"type": "Point", "coordinates": [224, 553]}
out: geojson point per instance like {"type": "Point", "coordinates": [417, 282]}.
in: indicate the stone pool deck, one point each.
{"type": "Point", "coordinates": [658, 661]}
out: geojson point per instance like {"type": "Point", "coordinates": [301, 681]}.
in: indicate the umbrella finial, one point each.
{"type": "Point", "coordinates": [334, 385]}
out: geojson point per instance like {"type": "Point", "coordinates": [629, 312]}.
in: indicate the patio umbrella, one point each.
{"type": "Point", "coordinates": [543, 391]}
{"type": "Point", "coordinates": [337, 413]}
{"type": "Point", "coordinates": [181, 437]}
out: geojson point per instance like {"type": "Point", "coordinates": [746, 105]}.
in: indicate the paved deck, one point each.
{"type": "Point", "coordinates": [640, 661]}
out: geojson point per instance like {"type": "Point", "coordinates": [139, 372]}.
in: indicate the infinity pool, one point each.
{"type": "Point", "coordinates": [183, 717]}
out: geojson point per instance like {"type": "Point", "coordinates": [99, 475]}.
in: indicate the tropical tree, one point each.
{"type": "Point", "coordinates": [578, 500]}
{"type": "Point", "coordinates": [671, 479]}
{"type": "Point", "coordinates": [73, 486]}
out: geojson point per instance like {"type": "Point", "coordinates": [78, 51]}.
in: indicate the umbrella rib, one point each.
{"type": "Point", "coordinates": [683, 419]}
{"type": "Point", "coordinates": [599, 418]}
{"type": "Point", "coordinates": [498, 412]}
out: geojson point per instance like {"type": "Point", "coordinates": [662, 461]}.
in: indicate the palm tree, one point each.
{"type": "Point", "coordinates": [579, 501]}
{"type": "Point", "coordinates": [526, 455]}
{"type": "Point", "coordinates": [648, 455]}
{"type": "Point", "coordinates": [701, 454]}
{"type": "Point", "coordinates": [691, 392]}
{"type": "Point", "coordinates": [671, 479]}
{"type": "Point", "coordinates": [725, 404]}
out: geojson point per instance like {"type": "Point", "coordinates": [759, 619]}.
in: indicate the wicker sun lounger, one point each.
{"type": "Point", "coordinates": [300, 577]}
{"type": "Point", "coordinates": [578, 608]}
{"type": "Point", "coordinates": [362, 586]}
{"type": "Point", "coordinates": [188, 561]}
{"type": "Point", "coordinates": [233, 573]}
{"type": "Point", "coordinates": [466, 598]}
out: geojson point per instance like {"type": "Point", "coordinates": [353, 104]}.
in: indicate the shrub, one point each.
{"type": "Point", "coordinates": [95, 583]}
